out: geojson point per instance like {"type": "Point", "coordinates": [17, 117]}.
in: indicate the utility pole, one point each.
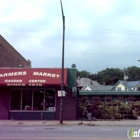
{"type": "Point", "coordinates": [125, 80]}
{"type": "Point", "coordinates": [62, 80]}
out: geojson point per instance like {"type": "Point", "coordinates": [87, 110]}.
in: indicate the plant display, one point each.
{"type": "Point", "coordinates": [109, 110]}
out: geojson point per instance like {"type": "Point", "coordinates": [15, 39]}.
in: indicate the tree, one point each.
{"type": "Point", "coordinates": [83, 73]}
{"type": "Point", "coordinates": [111, 75]}
{"type": "Point", "coordinates": [133, 73]}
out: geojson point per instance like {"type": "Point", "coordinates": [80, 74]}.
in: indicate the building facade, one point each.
{"type": "Point", "coordinates": [127, 86]}
{"type": "Point", "coordinates": [33, 94]}
{"type": "Point", "coordinates": [9, 57]}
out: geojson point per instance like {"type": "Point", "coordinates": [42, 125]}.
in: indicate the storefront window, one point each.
{"type": "Point", "coordinates": [32, 100]}
{"type": "Point", "coordinates": [15, 103]}
{"type": "Point", "coordinates": [44, 100]}
{"type": "Point", "coordinates": [38, 99]}
{"type": "Point", "coordinates": [50, 100]}
{"type": "Point", "coordinates": [27, 100]}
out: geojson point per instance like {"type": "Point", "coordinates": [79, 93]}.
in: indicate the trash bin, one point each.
{"type": "Point", "coordinates": [89, 116]}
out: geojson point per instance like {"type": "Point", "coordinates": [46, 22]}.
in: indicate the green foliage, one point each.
{"type": "Point", "coordinates": [125, 108]}
{"type": "Point", "coordinates": [109, 110]}
{"type": "Point", "coordinates": [137, 103]}
{"type": "Point", "coordinates": [83, 73]}
{"type": "Point", "coordinates": [84, 108]}
{"type": "Point", "coordinates": [133, 73]}
{"type": "Point", "coordinates": [111, 75]}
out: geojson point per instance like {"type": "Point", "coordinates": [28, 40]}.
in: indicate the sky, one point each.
{"type": "Point", "coordinates": [99, 34]}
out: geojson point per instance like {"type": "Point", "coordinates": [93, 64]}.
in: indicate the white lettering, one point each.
{"type": "Point", "coordinates": [49, 75]}
{"type": "Point", "coordinates": [23, 73]}
{"type": "Point", "coordinates": [9, 74]}
{"type": "Point", "coordinates": [37, 81]}
{"type": "Point", "coordinates": [13, 74]}
{"type": "Point", "coordinates": [35, 84]}
{"type": "Point", "coordinates": [5, 74]}
{"type": "Point", "coordinates": [136, 134]}
{"type": "Point", "coordinates": [13, 81]}
{"type": "Point", "coordinates": [53, 75]}
{"type": "Point", "coordinates": [16, 84]}
{"type": "Point", "coordinates": [35, 73]}
{"type": "Point", "coordinates": [46, 74]}
{"type": "Point", "coordinates": [20, 73]}
{"type": "Point", "coordinates": [58, 76]}
{"type": "Point", "coordinates": [40, 74]}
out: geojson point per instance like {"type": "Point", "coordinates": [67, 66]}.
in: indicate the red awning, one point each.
{"type": "Point", "coordinates": [31, 77]}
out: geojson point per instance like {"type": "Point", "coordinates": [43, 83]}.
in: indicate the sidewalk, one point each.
{"type": "Point", "coordinates": [68, 123]}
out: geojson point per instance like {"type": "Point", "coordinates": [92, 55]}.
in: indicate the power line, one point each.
{"type": "Point", "coordinates": [105, 31]}
{"type": "Point", "coordinates": [29, 29]}
{"type": "Point", "coordinates": [71, 29]}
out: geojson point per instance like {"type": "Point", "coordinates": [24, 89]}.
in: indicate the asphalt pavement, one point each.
{"type": "Point", "coordinates": [69, 122]}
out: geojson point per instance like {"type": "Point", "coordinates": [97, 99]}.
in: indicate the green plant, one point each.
{"type": "Point", "coordinates": [125, 108]}
{"type": "Point", "coordinates": [84, 107]}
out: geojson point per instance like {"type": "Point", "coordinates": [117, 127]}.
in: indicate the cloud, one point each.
{"type": "Point", "coordinates": [99, 33]}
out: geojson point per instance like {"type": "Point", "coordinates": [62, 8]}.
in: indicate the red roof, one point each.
{"type": "Point", "coordinates": [32, 76]}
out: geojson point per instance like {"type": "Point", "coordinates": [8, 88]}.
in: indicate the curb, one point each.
{"type": "Point", "coordinates": [72, 123]}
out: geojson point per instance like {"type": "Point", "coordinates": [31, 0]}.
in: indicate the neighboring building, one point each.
{"type": "Point", "coordinates": [88, 84]}
{"type": "Point", "coordinates": [9, 57]}
{"type": "Point", "coordinates": [127, 86]}
{"type": "Point", "coordinates": [98, 94]}
{"type": "Point", "coordinates": [83, 81]}
{"type": "Point", "coordinates": [89, 87]}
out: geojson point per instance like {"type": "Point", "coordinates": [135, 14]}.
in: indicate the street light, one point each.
{"type": "Point", "coordinates": [62, 80]}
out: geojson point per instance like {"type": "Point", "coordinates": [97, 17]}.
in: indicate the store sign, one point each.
{"type": "Point", "coordinates": [52, 109]}
{"type": "Point", "coordinates": [20, 73]}
{"type": "Point", "coordinates": [46, 74]}
{"type": "Point", "coordinates": [9, 74]}
{"type": "Point", "coordinates": [17, 82]}
{"type": "Point", "coordinates": [61, 93]}
{"type": "Point", "coordinates": [31, 77]}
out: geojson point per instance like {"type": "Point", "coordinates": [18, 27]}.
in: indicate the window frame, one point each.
{"type": "Point", "coordinates": [32, 90]}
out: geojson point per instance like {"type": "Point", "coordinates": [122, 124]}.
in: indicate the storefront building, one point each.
{"type": "Point", "coordinates": [95, 100]}
{"type": "Point", "coordinates": [32, 93]}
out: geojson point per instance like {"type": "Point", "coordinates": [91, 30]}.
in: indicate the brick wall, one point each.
{"type": "Point", "coordinates": [9, 57]}
{"type": "Point", "coordinates": [69, 107]}
{"type": "Point", "coordinates": [4, 103]}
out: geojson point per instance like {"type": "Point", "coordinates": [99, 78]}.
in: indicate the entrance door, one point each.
{"type": "Point", "coordinates": [44, 103]}
{"type": "Point", "coordinates": [44, 100]}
